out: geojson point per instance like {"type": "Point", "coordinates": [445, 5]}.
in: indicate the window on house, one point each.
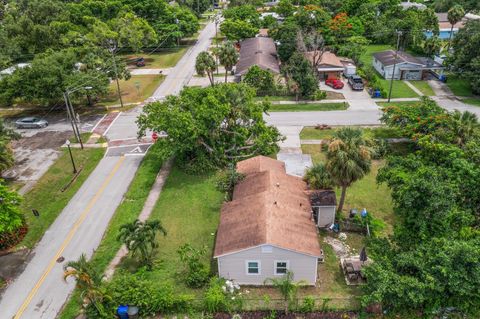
{"type": "Point", "coordinates": [253, 267]}
{"type": "Point", "coordinates": [281, 267]}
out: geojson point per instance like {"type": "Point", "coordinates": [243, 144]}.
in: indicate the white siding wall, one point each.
{"type": "Point", "coordinates": [233, 266]}
{"type": "Point", "coordinates": [326, 216]}
{"type": "Point", "coordinates": [378, 66]}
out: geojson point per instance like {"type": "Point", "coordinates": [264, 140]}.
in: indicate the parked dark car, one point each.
{"type": "Point", "coordinates": [31, 122]}
{"type": "Point", "coordinates": [334, 83]}
{"type": "Point", "coordinates": [140, 62]}
{"type": "Point", "coordinates": [356, 82]}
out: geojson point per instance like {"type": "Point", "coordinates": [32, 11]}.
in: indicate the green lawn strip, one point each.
{"type": "Point", "coordinates": [472, 101]}
{"type": "Point", "coordinates": [423, 87]}
{"type": "Point", "coordinates": [366, 58]}
{"type": "Point", "coordinates": [299, 107]}
{"type": "Point", "coordinates": [311, 133]}
{"type": "Point", "coordinates": [46, 196]}
{"type": "Point", "coordinates": [189, 209]}
{"type": "Point", "coordinates": [365, 193]}
{"type": "Point", "coordinates": [459, 86]}
{"type": "Point", "coordinates": [275, 98]}
{"type": "Point", "coordinates": [147, 84]}
{"type": "Point", "coordinates": [127, 211]}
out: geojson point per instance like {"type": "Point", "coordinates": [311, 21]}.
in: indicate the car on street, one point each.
{"type": "Point", "coordinates": [31, 122]}
{"type": "Point", "coordinates": [355, 82]}
{"type": "Point", "coordinates": [334, 83]}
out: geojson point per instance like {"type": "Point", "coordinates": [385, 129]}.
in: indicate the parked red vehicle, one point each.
{"type": "Point", "coordinates": [334, 83]}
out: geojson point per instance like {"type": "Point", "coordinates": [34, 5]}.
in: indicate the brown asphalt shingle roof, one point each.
{"type": "Point", "coordinates": [388, 57]}
{"type": "Point", "coordinates": [259, 51]}
{"type": "Point", "coordinates": [328, 59]}
{"type": "Point", "coordinates": [268, 207]}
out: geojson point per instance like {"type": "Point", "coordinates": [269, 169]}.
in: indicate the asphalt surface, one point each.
{"type": "Point", "coordinates": [40, 291]}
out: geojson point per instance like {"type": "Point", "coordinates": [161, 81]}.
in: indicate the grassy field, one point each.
{"type": "Point", "coordinates": [459, 86]}
{"type": "Point", "coordinates": [364, 193]}
{"type": "Point", "coordinates": [399, 88]}
{"type": "Point", "coordinates": [403, 103]}
{"type": "Point", "coordinates": [311, 133]}
{"type": "Point", "coordinates": [472, 101]}
{"type": "Point", "coordinates": [189, 209]}
{"type": "Point", "coordinates": [130, 94]}
{"type": "Point", "coordinates": [47, 197]}
{"type": "Point", "coordinates": [128, 211]}
{"type": "Point", "coordinates": [424, 87]}
{"type": "Point", "coordinates": [308, 107]}
{"type": "Point", "coordinates": [366, 58]}
{"type": "Point", "coordinates": [166, 58]}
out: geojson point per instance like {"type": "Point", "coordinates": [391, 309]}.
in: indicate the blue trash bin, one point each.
{"type": "Point", "coordinates": [122, 312]}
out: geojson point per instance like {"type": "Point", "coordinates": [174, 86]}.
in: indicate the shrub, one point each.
{"type": "Point", "coordinates": [318, 177]}
{"type": "Point", "coordinates": [196, 273]}
{"type": "Point", "coordinates": [379, 149]}
{"type": "Point", "coordinates": [319, 95]}
{"type": "Point", "coordinates": [10, 239]}
{"type": "Point", "coordinates": [215, 298]}
{"type": "Point", "coordinates": [308, 304]}
{"type": "Point", "coordinates": [227, 181]}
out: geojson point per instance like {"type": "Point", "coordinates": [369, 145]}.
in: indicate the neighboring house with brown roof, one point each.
{"type": "Point", "coordinates": [260, 51]}
{"type": "Point", "coordinates": [267, 229]}
{"type": "Point", "coordinates": [329, 66]}
{"type": "Point", "coordinates": [407, 67]}
{"type": "Point", "coordinates": [445, 28]}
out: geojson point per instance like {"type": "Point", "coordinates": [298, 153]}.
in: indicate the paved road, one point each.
{"type": "Point", "coordinates": [39, 292]}
{"type": "Point", "coordinates": [348, 117]}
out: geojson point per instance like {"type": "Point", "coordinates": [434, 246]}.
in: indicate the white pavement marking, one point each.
{"type": "Point", "coordinates": [98, 122]}
{"type": "Point", "coordinates": [114, 120]}
{"type": "Point", "coordinates": [40, 291]}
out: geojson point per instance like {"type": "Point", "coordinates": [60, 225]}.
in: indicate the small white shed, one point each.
{"type": "Point", "coordinates": [324, 205]}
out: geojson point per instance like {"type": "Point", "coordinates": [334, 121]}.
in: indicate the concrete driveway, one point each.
{"type": "Point", "coordinates": [358, 100]}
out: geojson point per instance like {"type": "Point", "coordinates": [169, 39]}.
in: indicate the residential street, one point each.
{"type": "Point", "coordinates": [40, 291]}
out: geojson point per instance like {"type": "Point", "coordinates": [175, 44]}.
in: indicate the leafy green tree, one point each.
{"type": "Point", "coordinates": [197, 274]}
{"type": "Point", "coordinates": [89, 282]}
{"type": "Point", "coordinates": [287, 287]}
{"type": "Point", "coordinates": [226, 182]}
{"type": "Point", "coordinates": [205, 64]}
{"type": "Point", "coordinates": [301, 71]}
{"type": "Point", "coordinates": [432, 46]}
{"type": "Point", "coordinates": [228, 57]}
{"type": "Point", "coordinates": [285, 8]}
{"type": "Point", "coordinates": [133, 31]}
{"type": "Point", "coordinates": [11, 217]}
{"type": "Point", "coordinates": [285, 36]}
{"type": "Point", "coordinates": [237, 30]}
{"type": "Point", "coordinates": [466, 60]}
{"type": "Point", "coordinates": [354, 48]}
{"type": "Point", "coordinates": [318, 177]}
{"type": "Point", "coordinates": [211, 127]}
{"type": "Point", "coordinates": [348, 159]}
{"type": "Point", "coordinates": [247, 13]}
{"type": "Point", "coordinates": [445, 5]}
{"type": "Point", "coordinates": [260, 79]}
{"type": "Point", "coordinates": [7, 134]}
{"type": "Point", "coordinates": [455, 14]}
{"type": "Point", "coordinates": [311, 17]}
{"type": "Point", "coordinates": [140, 238]}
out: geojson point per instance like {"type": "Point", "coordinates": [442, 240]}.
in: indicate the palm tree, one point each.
{"type": "Point", "coordinates": [348, 159]}
{"type": "Point", "coordinates": [464, 125]}
{"type": "Point", "coordinates": [454, 15]}
{"type": "Point", "coordinates": [228, 56]}
{"type": "Point", "coordinates": [139, 237]}
{"type": "Point", "coordinates": [432, 46]}
{"type": "Point", "coordinates": [287, 287]}
{"type": "Point", "coordinates": [89, 282]}
{"type": "Point", "coordinates": [318, 177]}
{"type": "Point", "coordinates": [206, 64]}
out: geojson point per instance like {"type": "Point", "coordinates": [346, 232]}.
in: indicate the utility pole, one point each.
{"type": "Point", "coordinates": [399, 34]}
{"type": "Point", "coordinates": [71, 116]}
{"type": "Point", "coordinates": [74, 118]}
{"type": "Point", "coordinates": [112, 50]}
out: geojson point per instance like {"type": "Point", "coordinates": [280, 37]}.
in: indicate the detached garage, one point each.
{"type": "Point", "coordinates": [267, 229]}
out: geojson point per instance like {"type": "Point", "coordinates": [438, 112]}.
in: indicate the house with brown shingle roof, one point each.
{"type": "Point", "coordinates": [260, 51]}
{"type": "Point", "coordinates": [328, 65]}
{"type": "Point", "coordinates": [267, 229]}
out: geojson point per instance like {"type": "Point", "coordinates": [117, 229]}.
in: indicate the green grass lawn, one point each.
{"type": "Point", "coordinates": [472, 101]}
{"type": "Point", "coordinates": [130, 94]}
{"type": "Point", "coordinates": [366, 58]}
{"type": "Point", "coordinates": [459, 86]}
{"type": "Point", "coordinates": [399, 88]}
{"type": "Point", "coordinates": [46, 196]}
{"type": "Point", "coordinates": [308, 107]}
{"type": "Point", "coordinates": [166, 58]}
{"type": "Point", "coordinates": [189, 209]}
{"type": "Point", "coordinates": [311, 133]}
{"type": "Point", "coordinates": [127, 211]}
{"type": "Point", "coordinates": [424, 87]}
{"type": "Point", "coordinates": [365, 193]}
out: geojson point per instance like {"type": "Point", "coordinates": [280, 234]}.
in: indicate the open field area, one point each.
{"type": "Point", "coordinates": [47, 196]}
{"type": "Point", "coordinates": [311, 133]}
{"type": "Point", "coordinates": [136, 89]}
{"type": "Point", "coordinates": [165, 58]}
{"type": "Point", "coordinates": [424, 87]}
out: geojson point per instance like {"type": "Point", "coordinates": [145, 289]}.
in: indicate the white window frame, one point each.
{"type": "Point", "coordinates": [275, 266]}
{"type": "Point", "coordinates": [259, 267]}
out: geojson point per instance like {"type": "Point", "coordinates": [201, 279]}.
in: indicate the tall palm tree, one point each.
{"type": "Point", "coordinates": [348, 159]}
{"type": "Point", "coordinates": [287, 287]}
{"type": "Point", "coordinates": [228, 57]}
{"type": "Point", "coordinates": [140, 238]}
{"type": "Point", "coordinates": [89, 282]}
{"type": "Point", "coordinates": [205, 63]}
{"type": "Point", "coordinates": [465, 125]}
{"type": "Point", "coordinates": [454, 15]}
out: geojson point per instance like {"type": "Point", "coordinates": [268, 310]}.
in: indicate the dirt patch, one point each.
{"type": "Point", "coordinates": [43, 140]}
{"type": "Point", "coordinates": [13, 264]}
{"type": "Point", "coordinates": [334, 96]}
